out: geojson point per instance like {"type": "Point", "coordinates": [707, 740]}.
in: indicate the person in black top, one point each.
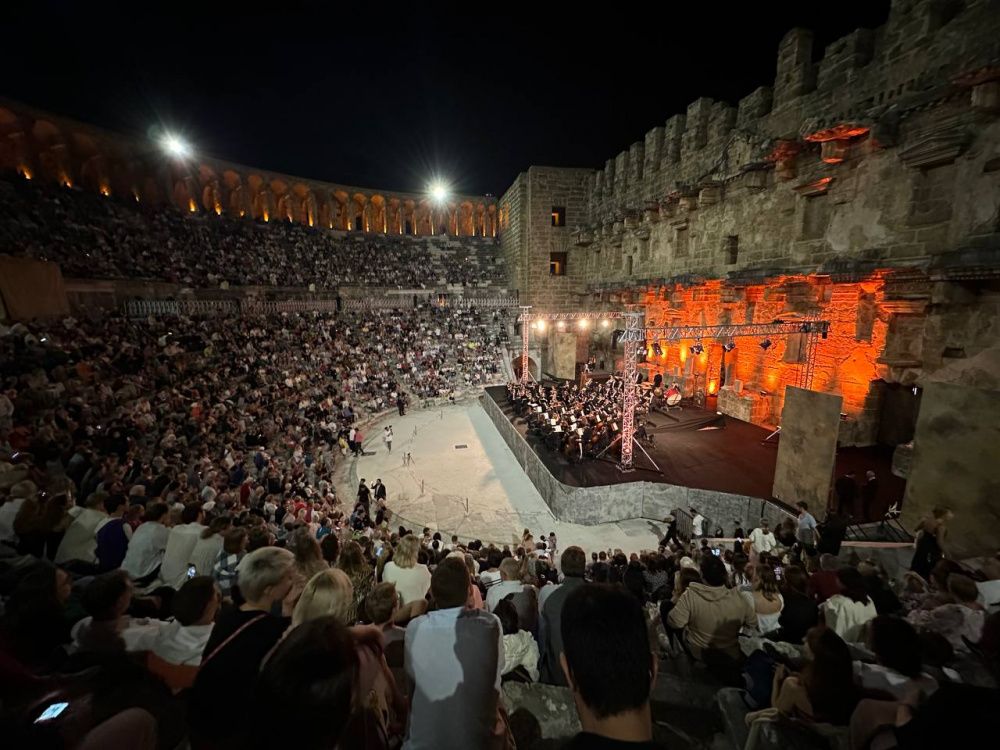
{"type": "Point", "coordinates": [846, 488]}
{"type": "Point", "coordinates": [609, 667]}
{"type": "Point", "coordinates": [242, 637]}
{"type": "Point", "coordinates": [800, 612]}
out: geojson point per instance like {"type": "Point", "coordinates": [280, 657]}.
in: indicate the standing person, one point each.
{"type": "Point", "coordinates": [697, 524]}
{"type": "Point", "coordinates": [412, 579]}
{"type": "Point", "coordinates": [364, 494]}
{"type": "Point", "coordinates": [762, 538]}
{"type": "Point", "coordinates": [379, 490]}
{"type": "Point", "coordinates": [846, 489]}
{"type": "Point", "coordinates": [401, 404]}
{"type": "Point", "coordinates": [930, 542]}
{"type": "Point", "coordinates": [671, 535]}
{"type": "Point", "coordinates": [359, 440]}
{"type": "Point", "coordinates": [453, 656]}
{"type": "Point", "coordinates": [869, 494]}
{"type": "Point", "coordinates": [387, 437]}
{"type": "Point", "coordinates": [807, 533]}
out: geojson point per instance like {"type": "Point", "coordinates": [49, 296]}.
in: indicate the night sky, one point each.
{"type": "Point", "coordinates": [388, 100]}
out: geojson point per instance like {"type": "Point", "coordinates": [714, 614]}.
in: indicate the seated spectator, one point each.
{"type": "Point", "coordinates": [886, 601]}
{"type": "Point", "coordinates": [234, 549]}
{"type": "Point", "coordinates": [609, 668]}
{"type": "Point", "coordinates": [35, 618]}
{"type": "Point", "coordinates": [307, 691]}
{"type": "Point", "coordinates": [206, 550]}
{"type": "Point", "coordinates": [510, 583]}
{"type": "Point", "coordinates": [958, 622]}
{"type": "Point", "coordinates": [520, 651]}
{"type": "Point", "coordinates": [573, 563]}
{"type": "Point", "coordinates": [711, 614]}
{"type": "Point", "coordinates": [106, 600]}
{"type": "Point", "coordinates": [240, 640]}
{"type": "Point", "coordinates": [800, 612]}
{"type": "Point", "coordinates": [308, 560]}
{"type": "Point", "coordinates": [381, 606]}
{"type": "Point", "coordinates": [824, 691]}
{"type": "Point", "coordinates": [113, 534]}
{"type": "Point", "coordinates": [898, 669]}
{"type": "Point", "coordinates": [180, 545]}
{"type": "Point", "coordinates": [989, 589]}
{"type": "Point", "coordinates": [20, 492]}
{"type": "Point", "coordinates": [848, 612]}
{"type": "Point", "coordinates": [412, 579]}
{"type": "Point", "coordinates": [825, 582]}
{"type": "Point", "coordinates": [766, 599]}
{"type": "Point", "coordinates": [328, 593]}
{"type": "Point", "coordinates": [80, 540]}
{"type": "Point", "coordinates": [149, 542]}
{"type": "Point", "coordinates": [453, 658]}
{"type": "Point", "coordinates": [352, 561]}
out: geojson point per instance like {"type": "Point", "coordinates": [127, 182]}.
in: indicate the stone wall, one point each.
{"type": "Point", "coordinates": [527, 218]}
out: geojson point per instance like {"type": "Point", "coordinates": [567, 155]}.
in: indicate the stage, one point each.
{"type": "Point", "coordinates": [717, 464]}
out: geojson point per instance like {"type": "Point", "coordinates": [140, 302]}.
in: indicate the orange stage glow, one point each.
{"type": "Point", "coordinates": [837, 133]}
{"type": "Point", "coordinates": [105, 191]}
{"type": "Point", "coordinates": [712, 387]}
{"type": "Point", "coordinates": [25, 172]}
{"type": "Point", "coordinates": [192, 206]}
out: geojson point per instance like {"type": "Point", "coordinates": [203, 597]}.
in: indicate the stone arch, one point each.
{"type": "Point", "coordinates": [12, 154]}
{"type": "Point", "coordinates": [408, 216]}
{"type": "Point", "coordinates": [379, 221]}
{"type": "Point", "coordinates": [491, 220]}
{"type": "Point", "coordinates": [533, 369]}
{"type": "Point", "coordinates": [341, 205]}
{"type": "Point", "coordinates": [183, 195]}
{"type": "Point", "coordinates": [53, 157]}
{"type": "Point", "coordinates": [303, 204]}
{"type": "Point", "coordinates": [233, 195]}
{"type": "Point", "coordinates": [466, 220]}
{"type": "Point", "coordinates": [94, 174]}
{"type": "Point", "coordinates": [357, 214]}
{"type": "Point", "coordinates": [259, 198]}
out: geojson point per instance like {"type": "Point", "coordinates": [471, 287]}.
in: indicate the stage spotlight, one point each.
{"type": "Point", "coordinates": [765, 344]}
{"type": "Point", "coordinates": [605, 323]}
{"type": "Point", "coordinates": [561, 325]}
{"type": "Point", "coordinates": [175, 146]}
{"type": "Point", "coordinates": [697, 349]}
{"type": "Point", "coordinates": [439, 191]}
{"type": "Point", "coordinates": [729, 346]}
{"type": "Point", "coordinates": [541, 325]}
{"type": "Point", "coordinates": [583, 325]}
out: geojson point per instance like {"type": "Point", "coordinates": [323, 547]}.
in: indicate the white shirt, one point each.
{"type": "Point", "coordinates": [177, 557]}
{"type": "Point", "coordinates": [496, 593]}
{"type": "Point", "coordinates": [80, 540]}
{"type": "Point", "coordinates": [411, 583]}
{"type": "Point", "coordinates": [454, 658]}
{"type": "Point", "coordinates": [761, 541]}
{"type": "Point", "coordinates": [696, 524]}
{"type": "Point", "coordinates": [845, 617]}
{"type": "Point", "coordinates": [145, 550]}
{"type": "Point", "coordinates": [8, 512]}
{"type": "Point", "coordinates": [205, 554]}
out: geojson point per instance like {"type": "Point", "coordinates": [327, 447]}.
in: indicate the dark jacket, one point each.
{"type": "Point", "coordinates": [550, 633]}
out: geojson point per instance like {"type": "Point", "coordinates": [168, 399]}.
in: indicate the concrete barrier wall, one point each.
{"type": "Point", "coordinates": [619, 502]}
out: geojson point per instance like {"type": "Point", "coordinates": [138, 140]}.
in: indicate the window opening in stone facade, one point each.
{"type": "Point", "coordinates": [408, 229]}
{"type": "Point", "coordinates": [359, 222]}
{"type": "Point", "coordinates": [681, 243]}
{"type": "Point", "coordinates": [558, 216]}
{"type": "Point", "coordinates": [733, 248]}
{"type": "Point", "coordinates": [557, 264]}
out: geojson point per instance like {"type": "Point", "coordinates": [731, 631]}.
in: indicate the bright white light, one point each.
{"type": "Point", "coordinates": [605, 323]}
{"type": "Point", "coordinates": [541, 325]}
{"type": "Point", "coordinates": [583, 324]}
{"type": "Point", "coordinates": [175, 146]}
{"type": "Point", "coordinates": [439, 192]}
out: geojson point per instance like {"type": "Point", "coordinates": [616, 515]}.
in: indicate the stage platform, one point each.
{"type": "Point", "coordinates": [714, 463]}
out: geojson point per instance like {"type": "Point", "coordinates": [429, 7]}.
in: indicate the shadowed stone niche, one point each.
{"type": "Point", "coordinates": [956, 452]}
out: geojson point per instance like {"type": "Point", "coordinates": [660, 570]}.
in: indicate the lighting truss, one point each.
{"type": "Point", "coordinates": [675, 333]}
{"type": "Point", "coordinates": [531, 317]}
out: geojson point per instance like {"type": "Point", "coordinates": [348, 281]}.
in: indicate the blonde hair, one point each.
{"type": "Point", "coordinates": [407, 548]}
{"type": "Point", "coordinates": [329, 592]}
{"type": "Point", "coordinates": [262, 569]}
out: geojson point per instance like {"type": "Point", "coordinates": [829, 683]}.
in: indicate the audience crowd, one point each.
{"type": "Point", "coordinates": [93, 236]}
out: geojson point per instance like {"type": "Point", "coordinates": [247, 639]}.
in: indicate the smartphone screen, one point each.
{"type": "Point", "coordinates": [716, 551]}
{"type": "Point", "coordinates": [52, 712]}
{"type": "Point", "coordinates": [192, 571]}
{"type": "Point", "coordinates": [777, 572]}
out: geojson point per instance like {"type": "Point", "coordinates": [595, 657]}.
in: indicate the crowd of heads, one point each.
{"type": "Point", "coordinates": [93, 236]}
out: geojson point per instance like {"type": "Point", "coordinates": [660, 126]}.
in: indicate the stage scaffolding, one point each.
{"type": "Point", "coordinates": [635, 334]}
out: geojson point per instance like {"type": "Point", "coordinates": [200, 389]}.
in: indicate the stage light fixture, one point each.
{"type": "Point", "coordinates": [561, 325]}
{"type": "Point", "coordinates": [541, 325]}
{"type": "Point", "coordinates": [175, 146]}
{"type": "Point", "coordinates": [805, 328]}
{"type": "Point", "coordinates": [765, 344]}
{"type": "Point", "coordinates": [605, 323]}
{"type": "Point", "coordinates": [583, 325]}
{"type": "Point", "coordinates": [657, 350]}
{"type": "Point", "coordinates": [729, 346]}
{"type": "Point", "coordinates": [697, 349]}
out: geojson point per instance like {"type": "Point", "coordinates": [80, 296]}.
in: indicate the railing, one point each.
{"type": "Point", "coordinates": [270, 307]}
{"type": "Point", "coordinates": [142, 308]}
{"type": "Point", "coordinates": [397, 302]}
{"type": "Point", "coordinates": [495, 302]}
